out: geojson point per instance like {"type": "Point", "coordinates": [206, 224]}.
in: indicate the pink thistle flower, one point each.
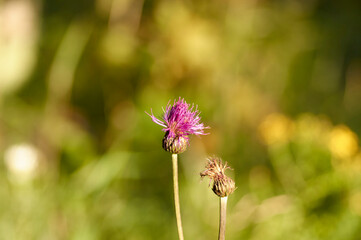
{"type": "Point", "coordinates": [179, 121]}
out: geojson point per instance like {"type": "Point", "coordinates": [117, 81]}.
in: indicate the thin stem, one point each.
{"type": "Point", "coordinates": [222, 218]}
{"type": "Point", "coordinates": [176, 196]}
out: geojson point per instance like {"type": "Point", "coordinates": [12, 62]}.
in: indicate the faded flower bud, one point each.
{"type": "Point", "coordinates": [175, 145]}
{"type": "Point", "coordinates": [222, 184]}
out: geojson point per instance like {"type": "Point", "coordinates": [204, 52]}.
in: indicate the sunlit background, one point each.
{"type": "Point", "coordinates": [278, 82]}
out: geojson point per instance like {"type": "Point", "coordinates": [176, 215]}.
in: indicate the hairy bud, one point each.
{"type": "Point", "coordinates": [224, 186]}
{"type": "Point", "coordinates": [175, 145]}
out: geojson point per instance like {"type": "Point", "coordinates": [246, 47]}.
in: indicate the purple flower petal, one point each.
{"type": "Point", "coordinates": [180, 119]}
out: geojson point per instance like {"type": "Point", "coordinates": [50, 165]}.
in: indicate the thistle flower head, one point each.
{"type": "Point", "coordinates": [179, 121]}
{"type": "Point", "coordinates": [222, 184]}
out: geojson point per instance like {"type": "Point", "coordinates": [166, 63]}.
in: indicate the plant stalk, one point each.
{"type": "Point", "coordinates": [222, 218]}
{"type": "Point", "coordinates": [176, 196]}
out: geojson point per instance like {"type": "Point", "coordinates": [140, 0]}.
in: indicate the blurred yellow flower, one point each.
{"type": "Point", "coordinates": [276, 128]}
{"type": "Point", "coordinates": [343, 143]}
{"type": "Point", "coordinates": [192, 40]}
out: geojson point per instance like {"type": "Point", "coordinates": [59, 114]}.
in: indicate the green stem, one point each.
{"type": "Point", "coordinates": [176, 196]}
{"type": "Point", "coordinates": [222, 218]}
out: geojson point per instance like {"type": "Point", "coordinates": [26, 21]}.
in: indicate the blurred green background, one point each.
{"type": "Point", "coordinates": [278, 82]}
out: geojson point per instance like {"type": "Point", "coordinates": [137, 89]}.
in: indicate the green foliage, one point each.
{"type": "Point", "coordinates": [278, 82]}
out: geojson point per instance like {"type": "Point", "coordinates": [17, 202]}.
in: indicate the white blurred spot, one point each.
{"type": "Point", "coordinates": [22, 162]}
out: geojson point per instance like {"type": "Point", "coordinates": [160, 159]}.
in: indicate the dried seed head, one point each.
{"type": "Point", "coordinates": [214, 168]}
{"type": "Point", "coordinates": [222, 184]}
